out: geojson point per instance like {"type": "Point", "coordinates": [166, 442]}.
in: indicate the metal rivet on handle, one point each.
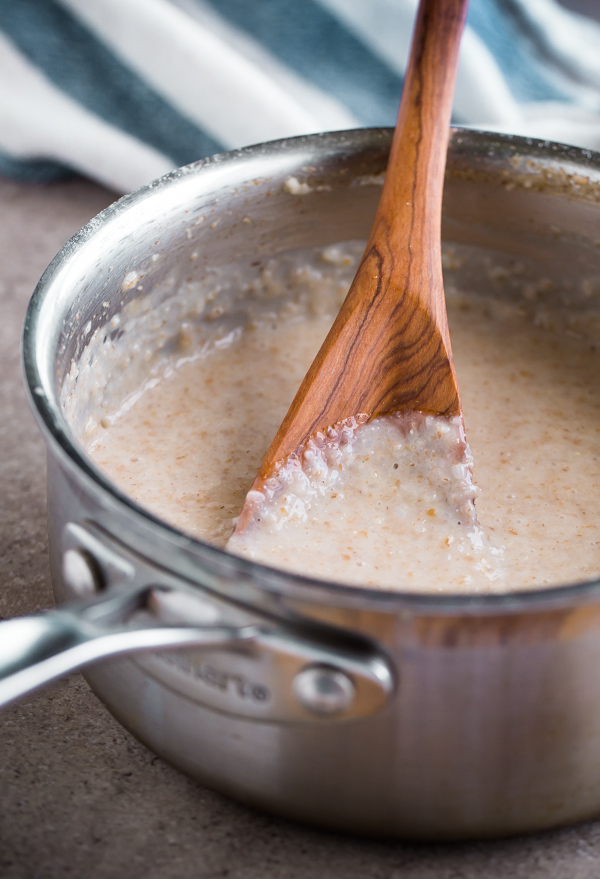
{"type": "Point", "coordinates": [323, 689]}
{"type": "Point", "coordinates": [80, 572]}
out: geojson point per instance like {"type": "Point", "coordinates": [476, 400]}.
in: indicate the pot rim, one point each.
{"type": "Point", "coordinates": [45, 403]}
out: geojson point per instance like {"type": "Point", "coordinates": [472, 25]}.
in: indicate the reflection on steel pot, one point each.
{"type": "Point", "coordinates": [382, 713]}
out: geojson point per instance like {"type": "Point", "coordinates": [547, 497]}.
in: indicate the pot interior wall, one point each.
{"type": "Point", "coordinates": [515, 218]}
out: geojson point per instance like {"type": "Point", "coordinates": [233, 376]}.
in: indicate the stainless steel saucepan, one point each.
{"type": "Point", "coordinates": [392, 714]}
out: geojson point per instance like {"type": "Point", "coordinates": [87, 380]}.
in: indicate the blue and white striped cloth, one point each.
{"type": "Point", "coordinates": [124, 90]}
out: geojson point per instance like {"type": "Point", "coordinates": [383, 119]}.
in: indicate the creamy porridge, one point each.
{"type": "Point", "coordinates": [179, 397]}
{"type": "Point", "coordinates": [374, 502]}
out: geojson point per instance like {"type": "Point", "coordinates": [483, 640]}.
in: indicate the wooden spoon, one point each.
{"type": "Point", "coordinates": [389, 347]}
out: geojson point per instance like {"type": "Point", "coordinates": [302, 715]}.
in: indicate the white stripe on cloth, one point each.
{"type": "Point", "coordinates": [572, 39]}
{"type": "Point", "coordinates": [563, 123]}
{"type": "Point", "coordinates": [330, 112]}
{"type": "Point", "coordinates": [201, 71]}
{"type": "Point", "coordinates": [37, 120]}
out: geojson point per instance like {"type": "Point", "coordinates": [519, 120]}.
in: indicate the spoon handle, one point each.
{"type": "Point", "coordinates": [414, 366]}
{"type": "Point", "coordinates": [417, 159]}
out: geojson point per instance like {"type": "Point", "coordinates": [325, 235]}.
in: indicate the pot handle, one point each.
{"type": "Point", "coordinates": [35, 650]}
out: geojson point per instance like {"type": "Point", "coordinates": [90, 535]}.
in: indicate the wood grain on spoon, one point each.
{"type": "Point", "coordinates": [389, 347]}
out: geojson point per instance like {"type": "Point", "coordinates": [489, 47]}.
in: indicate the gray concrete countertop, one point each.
{"type": "Point", "coordinates": [79, 797]}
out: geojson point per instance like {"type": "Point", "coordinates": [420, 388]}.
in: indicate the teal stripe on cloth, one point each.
{"type": "Point", "coordinates": [32, 171]}
{"type": "Point", "coordinates": [86, 70]}
{"type": "Point", "coordinates": [314, 43]}
{"type": "Point", "coordinates": [513, 44]}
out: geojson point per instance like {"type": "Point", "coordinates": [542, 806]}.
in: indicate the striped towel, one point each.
{"type": "Point", "coordinates": [124, 90]}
